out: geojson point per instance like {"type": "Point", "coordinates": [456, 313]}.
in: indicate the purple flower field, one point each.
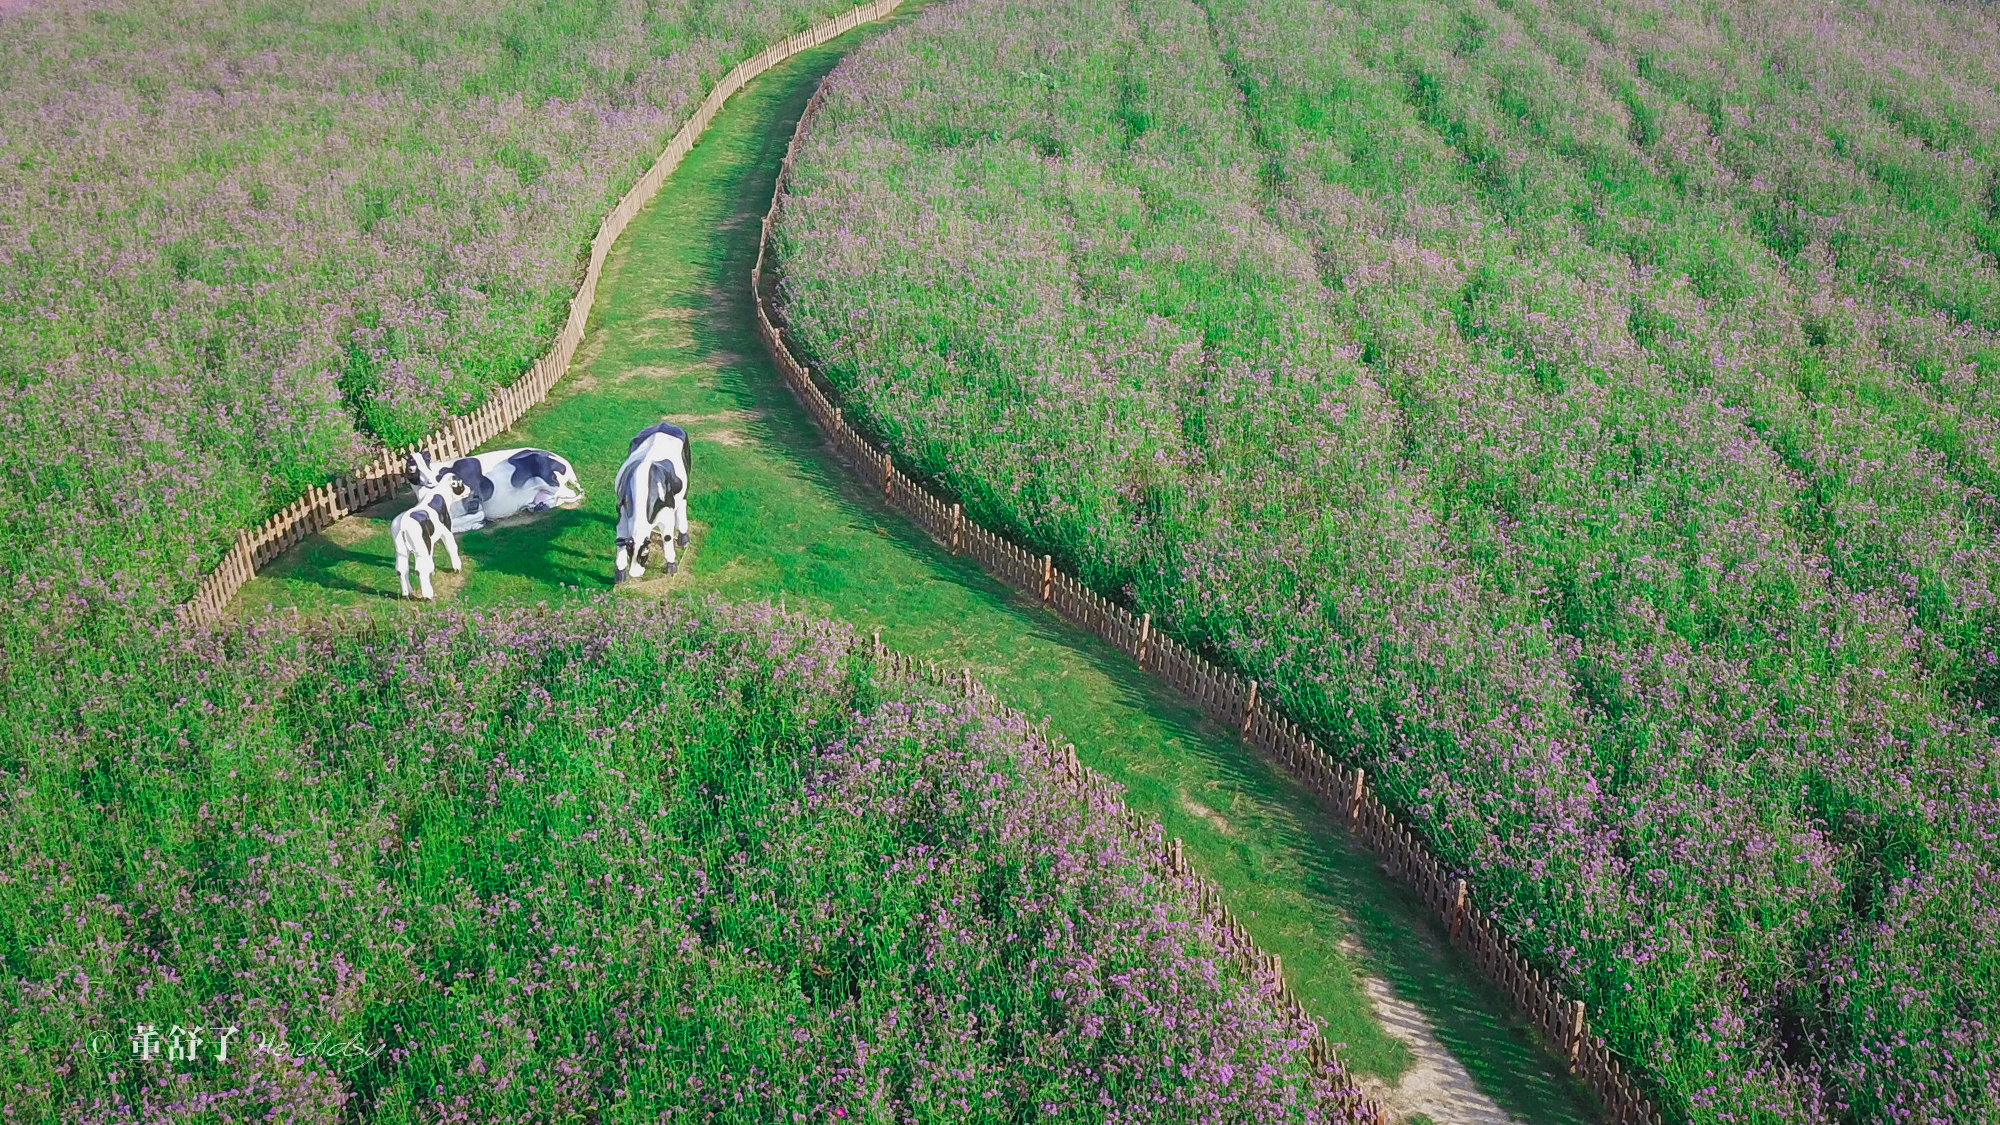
{"type": "Point", "coordinates": [1585, 415]}
{"type": "Point", "coordinates": [621, 863]}
{"type": "Point", "coordinates": [241, 243]}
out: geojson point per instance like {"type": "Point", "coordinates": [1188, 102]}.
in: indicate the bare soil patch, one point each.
{"type": "Point", "coordinates": [350, 530]}
{"type": "Point", "coordinates": [1438, 1086]}
{"type": "Point", "coordinates": [1195, 808]}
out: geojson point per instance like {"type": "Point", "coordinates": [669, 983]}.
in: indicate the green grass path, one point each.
{"type": "Point", "coordinates": [674, 337]}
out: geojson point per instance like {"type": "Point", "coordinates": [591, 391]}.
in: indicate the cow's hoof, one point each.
{"type": "Point", "coordinates": [673, 568]}
{"type": "Point", "coordinates": [681, 540]}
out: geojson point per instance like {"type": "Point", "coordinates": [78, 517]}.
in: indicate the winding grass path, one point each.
{"type": "Point", "coordinates": [674, 337]}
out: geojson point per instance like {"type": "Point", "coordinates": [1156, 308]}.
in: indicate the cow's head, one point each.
{"type": "Point", "coordinates": [443, 493]}
{"type": "Point", "coordinates": [471, 477]}
{"type": "Point", "coordinates": [419, 471]}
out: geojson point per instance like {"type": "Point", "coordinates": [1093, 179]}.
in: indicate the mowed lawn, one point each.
{"type": "Point", "coordinates": [673, 338]}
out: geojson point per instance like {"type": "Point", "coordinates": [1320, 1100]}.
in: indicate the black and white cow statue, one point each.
{"type": "Point", "coordinates": [417, 534]}
{"type": "Point", "coordinates": [501, 483]}
{"type": "Point", "coordinates": [652, 498]}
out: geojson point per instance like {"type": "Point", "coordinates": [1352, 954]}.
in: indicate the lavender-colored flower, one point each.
{"type": "Point", "coordinates": [622, 860]}
{"type": "Point", "coordinates": [1584, 415]}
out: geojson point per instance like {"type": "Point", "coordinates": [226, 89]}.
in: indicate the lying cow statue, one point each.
{"type": "Point", "coordinates": [501, 483]}
{"type": "Point", "coordinates": [417, 533]}
{"type": "Point", "coordinates": [652, 498]}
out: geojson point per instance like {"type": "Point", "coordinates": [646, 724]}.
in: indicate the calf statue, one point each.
{"type": "Point", "coordinates": [417, 533]}
{"type": "Point", "coordinates": [652, 498]}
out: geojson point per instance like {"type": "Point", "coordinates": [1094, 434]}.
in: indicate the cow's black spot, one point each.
{"type": "Point", "coordinates": [442, 509]}
{"type": "Point", "coordinates": [468, 470]}
{"type": "Point", "coordinates": [534, 464]}
{"type": "Point", "coordinates": [669, 429]}
{"type": "Point", "coordinates": [628, 501]}
{"type": "Point", "coordinates": [666, 481]}
{"type": "Point", "coordinates": [429, 529]}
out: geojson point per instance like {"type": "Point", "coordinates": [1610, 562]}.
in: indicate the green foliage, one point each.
{"type": "Point", "coordinates": [1582, 414]}
{"type": "Point", "coordinates": [771, 521]}
{"type": "Point", "coordinates": [619, 861]}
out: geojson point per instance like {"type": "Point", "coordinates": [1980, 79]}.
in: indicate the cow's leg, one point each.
{"type": "Point", "coordinates": [450, 542]}
{"type": "Point", "coordinates": [403, 568]}
{"type": "Point", "coordinates": [641, 536]}
{"type": "Point", "coordinates": [662, 544]}
{"type": "Point", "coordinates": [681, 517]}
{"type": "Point", "coordinates": [426, 562]}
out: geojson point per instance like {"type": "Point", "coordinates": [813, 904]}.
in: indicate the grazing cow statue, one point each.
{"type": "Point", "coordinates": [503, 482]}
{"type": "Point", "coordinates": [652, 498]}
{"type": "Point", "coordinates": [417, 533]}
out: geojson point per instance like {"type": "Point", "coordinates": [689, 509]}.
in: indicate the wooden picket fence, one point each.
{"type": "Point", "coordinates": [1230, 700]}
{"type": "Point", "coordinates": [1166, 857]}
{"type": "Point", "coordinates": [380, 477]}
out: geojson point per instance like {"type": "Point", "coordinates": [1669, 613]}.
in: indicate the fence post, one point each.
{"type": "Point", "coordinates": [1354, 802]}
{"type": "Point", "coordinates": [1575, 1032]}
{"type": "Point", "coordinates": [1249, 710]}
{"type": "Point", "coordinates": [957, 525]}
{"type": "Point", "coordinates": [888, 470]}
{"type": "Point", "coordinates": [1458, 909]}
{"type": "Point", "coordinates": [1145, 634]}
{"type": "Point", "coordinates": [1048, 578]}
